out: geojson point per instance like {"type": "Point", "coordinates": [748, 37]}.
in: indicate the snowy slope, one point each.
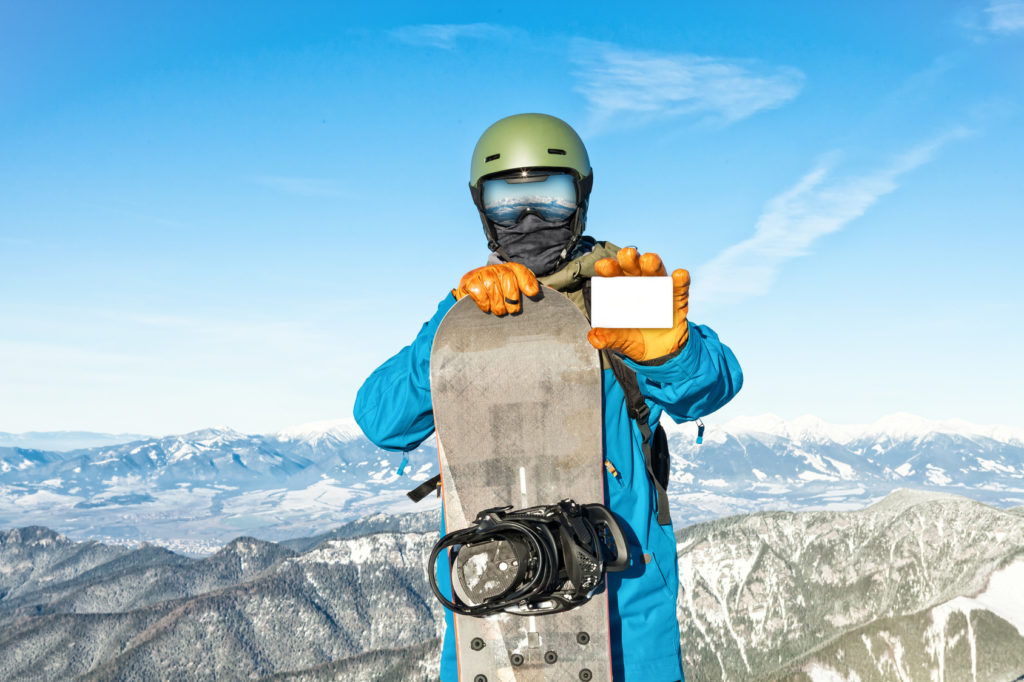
{"type": "Point", "coordinates": [918, 586]}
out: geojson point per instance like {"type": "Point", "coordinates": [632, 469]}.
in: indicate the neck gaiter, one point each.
{"type": "Point", "coordinates": [535, 242]}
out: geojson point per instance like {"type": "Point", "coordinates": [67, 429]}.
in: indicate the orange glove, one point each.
{"type": "Point", "coordinates": [495, 288]}
{"type": "Point", "coordinates": [644, 344]}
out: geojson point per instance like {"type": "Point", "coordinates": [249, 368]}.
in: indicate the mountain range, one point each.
{"type": "Point", "coordinates": [917, 586]}
{"type": "Point", "coordinates": [751, 464]}
{"type": "Point", "coordinates": [194, 492]}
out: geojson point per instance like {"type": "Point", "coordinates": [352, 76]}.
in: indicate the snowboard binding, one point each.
{"type": "Point", "coordinates": [533, 561]}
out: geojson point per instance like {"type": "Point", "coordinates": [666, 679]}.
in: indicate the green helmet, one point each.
{"type": "Point", "coordinates": [526, 141]}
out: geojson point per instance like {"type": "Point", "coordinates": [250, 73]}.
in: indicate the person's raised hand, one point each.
{"type": "Point", "coordinates": [496, 288]}
{"type": "Point", "coordinates": [644, 344]}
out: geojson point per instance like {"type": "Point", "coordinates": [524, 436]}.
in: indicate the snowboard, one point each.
{"type": "Point", "coordinates": [517, 410]}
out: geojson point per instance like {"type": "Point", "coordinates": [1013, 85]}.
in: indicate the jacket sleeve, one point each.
{"type": "Point", "coordinates": [393, 405]}
{"type": "Point", "coordinates": [700, 378]}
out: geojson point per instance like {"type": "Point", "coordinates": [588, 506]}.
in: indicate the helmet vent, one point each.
{"type": "Point", "coordinates": [495, 157]}
{"type": "Point", "coordinates": [557, 151]}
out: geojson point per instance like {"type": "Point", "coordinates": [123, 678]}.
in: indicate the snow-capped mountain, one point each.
{"type": "Point", "coordinates": [83, 610]}
{"type": "Point", "coordinates": [918, 587]}
{"type": "Point", "coordinates": [337, 429]}
{"type": "Point", "coordinates": [319, 439]}
{"type": "Point", "coordinates": [765, 462]}
{"type": "Point", "coordinates": [898, 426]}
{"type": "Point", "coordinates": [197, 490]}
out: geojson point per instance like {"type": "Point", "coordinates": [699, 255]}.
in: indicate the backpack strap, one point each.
{"type": "Point", "coordinates": [636, 405]}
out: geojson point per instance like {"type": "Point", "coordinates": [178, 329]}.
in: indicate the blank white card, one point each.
{"type": "Point", "coordinates": [624, 302]}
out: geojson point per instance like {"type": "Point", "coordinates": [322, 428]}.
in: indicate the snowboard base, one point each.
{"type": "Point", "coordinates": [517, 408]}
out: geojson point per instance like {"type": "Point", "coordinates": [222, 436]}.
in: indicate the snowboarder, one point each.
{"type": "Point", "coordinates": [530, 179]}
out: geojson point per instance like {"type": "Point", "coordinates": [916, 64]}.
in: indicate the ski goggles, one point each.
{"type": "Point", "coordinates": [552, 196]}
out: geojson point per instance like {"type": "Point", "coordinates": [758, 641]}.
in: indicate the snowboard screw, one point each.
{"type": "Point", "coordinates": [550, 657]}
{"type": "Point", "coordinates": [480, 678]}
{"type": "Point", "coordinates": [477, 644]}
{"type": "Point", "coordinates": [582, 638]}
{"type": "Point", "coordinates": [586, 675]}
{"type": "Point", "coordinates": [516, 660]}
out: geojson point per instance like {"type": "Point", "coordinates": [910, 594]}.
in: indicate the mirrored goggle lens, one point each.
{"type": "Point", "coordinates": [552, 197]}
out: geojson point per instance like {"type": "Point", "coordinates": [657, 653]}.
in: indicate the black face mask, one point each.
{"type": "Point", "coordinates": [535, 242]}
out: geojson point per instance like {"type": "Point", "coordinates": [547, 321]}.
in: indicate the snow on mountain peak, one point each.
{"type": "Point", "coordinates": [804, 428]}
{"type": "Point", "coordinates": [341, 429]}
{"type": "Point", "coordinates": [902, 425]}
{"type": "Point", "coordinates": [897, 426]}
{"type": "Point", "coordinates": [211, 433]}
{"type": "Point", "coordinates": [188, 445]}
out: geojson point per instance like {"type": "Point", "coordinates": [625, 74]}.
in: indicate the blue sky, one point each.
{"type": "Point", "coordinates": [231, 213]}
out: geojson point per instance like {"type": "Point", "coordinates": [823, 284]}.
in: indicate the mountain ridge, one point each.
{"type": "Point", "coordinates": [193, 492]}
{"type": "Point", "coordinates": [905, 587]}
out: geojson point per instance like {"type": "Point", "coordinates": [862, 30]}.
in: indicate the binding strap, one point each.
{"type": "Point", "coordinates": [425, 488]}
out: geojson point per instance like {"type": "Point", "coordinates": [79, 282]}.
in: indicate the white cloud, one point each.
{"type": "Point", "coordinates": [1006, 16]}
{"type": "Point", "coordinates": [633, 86]}
{"type": "Point", "coordinates": [445, 36]}
{"type": "Point", "coordinates": [793, 220]}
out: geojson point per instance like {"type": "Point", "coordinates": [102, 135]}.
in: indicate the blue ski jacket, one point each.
{"type": "Point", "coordinates": [393, 409]}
